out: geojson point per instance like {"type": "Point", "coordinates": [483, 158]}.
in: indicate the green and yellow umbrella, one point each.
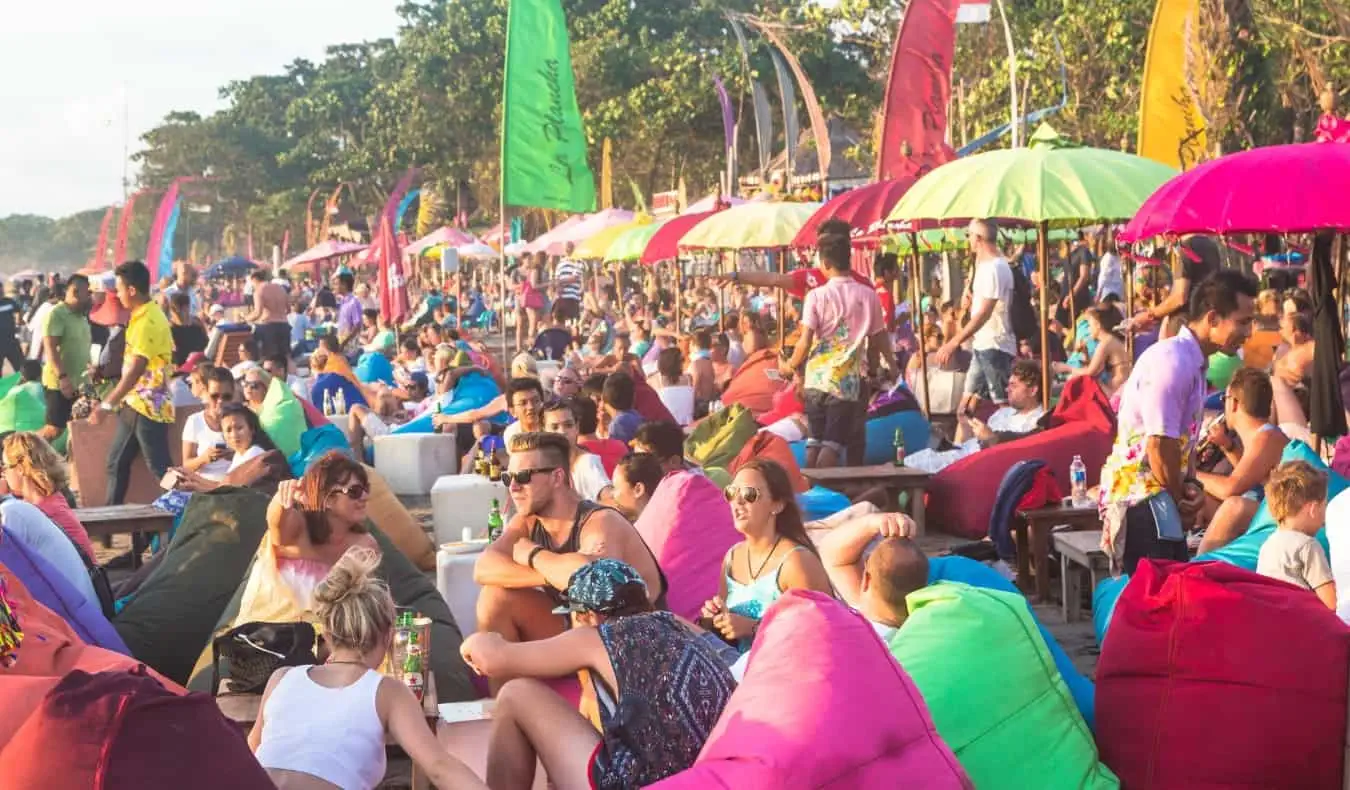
{"type": "Point", "coordinates": [953, 239]}
{"type": "Point", "coordinates": [750, 226]}
{"type": "Point", "coordinates": [595, 246]}
{"type": "Point", "coordinates": [630, 244]}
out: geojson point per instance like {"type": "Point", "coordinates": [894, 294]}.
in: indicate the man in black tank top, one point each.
{"type": "Point", "coordinates": [552, 534]}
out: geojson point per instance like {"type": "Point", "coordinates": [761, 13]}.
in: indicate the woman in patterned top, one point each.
{"type": "Point", "coordinates": [659, 690]}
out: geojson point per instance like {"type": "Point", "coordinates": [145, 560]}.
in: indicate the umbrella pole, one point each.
{"type": "Point", "coordinates": [1338, 258]}
{"type": "Point", "coordinates": [916, 310]}
{"type": "Point", "coordinates": [721, 293]}
{"type": "Point", "coordinates": [782, 305]}
{"type": "Point", "coordinates": [1128, 266]}
{"type": "Point", "coordinates": [1041, 254]}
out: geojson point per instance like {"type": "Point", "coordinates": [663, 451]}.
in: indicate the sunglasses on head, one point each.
{"type": "Point", "coordinates": [747, 494]}
{"type": "Point", "coordinates": [524, 476]}
{"type": "Point", "coordinates": [353, 491]}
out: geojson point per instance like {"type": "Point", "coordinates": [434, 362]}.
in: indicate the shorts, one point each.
{"type": "Point", "coordinates": [274, 340]}
{"type": "Point", "coordinates": [58, 408]}
{"type": "Point", "coordinates": [568, 309]}
{"type": "Point", "coordinates": [831, 421]}
{"type": "Point", "coordinates": [374, 426]}
{"type": "Point", "coordinates": [988, 376]}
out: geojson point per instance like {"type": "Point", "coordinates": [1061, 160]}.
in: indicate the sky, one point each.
{"type": "Point", "coordinates": [71, 67]}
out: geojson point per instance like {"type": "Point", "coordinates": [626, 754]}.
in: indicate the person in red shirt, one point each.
{"type": "Point", "coordinates": [886, 269]}
{"type": "Point", "coordinates": [796, 283]}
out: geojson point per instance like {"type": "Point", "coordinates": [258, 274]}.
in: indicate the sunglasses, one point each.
{"type": "Point", "coordinates": [746, 494]}
{"type": "Point", "coordinates": [524, 476]}
{"type": "Point", "coordinates": [248, 385]}
{"type": "Point", "coordinates": [355, 491]}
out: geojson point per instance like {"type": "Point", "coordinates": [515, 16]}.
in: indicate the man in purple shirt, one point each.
{"type": "Point", "coordinates": [1147, 495]}
{"type": "Point", "coordinates": [349, 308]}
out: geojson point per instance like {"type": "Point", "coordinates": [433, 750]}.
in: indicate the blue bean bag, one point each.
{"type": "Point", "coordinates": [1104, 604]}
{"type": "Point", "coordinates": [819, 502]}
{"type": "Point", "coordinates": [473, 391]}
{"type": "Point", "coordinates": [977, 574]}
{"type": "Point", "coordinates": [881, 435]}
{"type": "Point", "coordinates": [372, 367]}
{"type": "Point", "coordinates": [55, 592]}
{"type": "Point", "coordinates": [329, 385]}
{"type": "Point", "coordinates": [315, 443]}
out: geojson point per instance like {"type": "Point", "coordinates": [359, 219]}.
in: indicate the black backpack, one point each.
{"type": "Point", "coordinates": [1026, 325]}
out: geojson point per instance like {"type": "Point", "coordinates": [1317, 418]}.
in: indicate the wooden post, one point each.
{"type": "Point", "coordinates": [1043, 259]}
{"type": "Point", "coordinates": [782, 304]}
{"type": "Point", "coordinates": [916, 309]}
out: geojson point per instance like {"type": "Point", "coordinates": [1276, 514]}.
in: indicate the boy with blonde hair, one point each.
{"type": "Point", "coordinates": [1297, 496]}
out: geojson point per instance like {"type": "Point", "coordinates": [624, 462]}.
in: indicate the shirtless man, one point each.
{"type": "Point", "coordinates": [553, 534]}
{"type": "Point", "coordinates": [271, 328]}
{"type": "Point", "coordinates": [876, 583]}
{"type": "Point", "coordinates": [1294, 363]}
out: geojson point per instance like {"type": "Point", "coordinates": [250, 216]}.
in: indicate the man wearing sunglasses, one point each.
{"type": "Point", "coordinates": [554, 533]}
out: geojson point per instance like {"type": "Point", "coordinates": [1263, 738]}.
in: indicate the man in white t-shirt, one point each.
{"type": "Point", "coordinates": [990, 325]}
{"type": "Point", "coordinates": [589, 478]}
{"type": "Point", "coordinates": [568, 276]}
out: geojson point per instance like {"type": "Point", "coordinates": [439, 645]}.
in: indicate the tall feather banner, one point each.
{"type": "Point", "coordinates": [791, 130]}
{"type": "Point", "coordinates": [403, 207]}
{"type": "Point", "coordinates": [1171, 125]}
{"type": "Point", "coordinates": [100, 259]}
{"type": "Point", "coordinates": [161, 234]}
{"type": "Point", "coordinates": [918, 90]}
{"type": "Point", "coordinates": [166, 248]}
{"type": "Point", "coordinates": [286, 244]}
{"type": "Point", "coordinates": [639, 202]}
{"type": "Point", "coordinates": [763, 125]}
{"type": "Point", "coordinates": [819, 130]}
{"type": "Point", "coordinates": [728, 129]}
{"type": "Point", "coordinates": [607, 175]}
{"type": "Point", "coordinates": [123, 228]}
{"type": "Point", "coordinates": [385, 255]}
{"type": "Point", "coordinates": [430, 211]}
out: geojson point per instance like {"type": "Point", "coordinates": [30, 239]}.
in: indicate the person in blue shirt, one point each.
{"type": "Point", "coordinates": [618, 396]}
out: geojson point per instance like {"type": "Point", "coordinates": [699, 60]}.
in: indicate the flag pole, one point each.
{"type": "Point", "coordinates": [501, 271]}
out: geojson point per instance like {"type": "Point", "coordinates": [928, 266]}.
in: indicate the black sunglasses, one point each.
{"type": "Point", "coordinates": [353, 491]}
{"type": "Point", "coordinates": [524, 476]}
{"type": "Point", "coordinates": [747, 494]}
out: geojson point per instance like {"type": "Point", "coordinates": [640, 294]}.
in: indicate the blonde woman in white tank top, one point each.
{"type": "Point", "coordinates": [323, 727]}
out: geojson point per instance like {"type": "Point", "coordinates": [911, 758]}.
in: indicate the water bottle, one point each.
{"type": "Point", "coordinates": [1078, 481]}
{"type": "Point", "coordinates": [495, 525]}
{"type": "Point", "coordinates": [899, 447]}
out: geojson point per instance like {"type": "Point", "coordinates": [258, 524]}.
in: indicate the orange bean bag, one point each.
{"type": "Point", "coordinates": [961, 497]}
{"type": "Point", "coordinates": [751, 386]}
{"type": "Point", "coordinates": [771, 447]}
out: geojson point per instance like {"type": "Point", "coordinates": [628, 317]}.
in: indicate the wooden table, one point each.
{"type": "Point", "coordinates": [126, 519]}
{"type": "Point", "coordinates": [1032, 535]}
{"type": "Point", "coordinates": [242, 709]}
{"type": "Point", "coordinates": [853, 480]}
{"type": "Point", "coordinates": [1079, 551]}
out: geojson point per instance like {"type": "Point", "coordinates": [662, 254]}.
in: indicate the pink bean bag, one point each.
{"type": "Point", "coordinates": [961, 497]}
{"type": "Point", "coordinates": [687, 524]}
{"type": "Point", "coordinates": [1216, 677]}
{"type": "Point", "coordinates": [822, 705]}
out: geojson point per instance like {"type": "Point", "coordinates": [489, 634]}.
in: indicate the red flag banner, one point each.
{"type": "Point", "coordinates": [123, 228]}
{"type": "Point", "coordinates": [918, 90]}
{"type": "Point", "coordinates": [387, 258]}
{"type": "Point", "coordinates": [100, 259]}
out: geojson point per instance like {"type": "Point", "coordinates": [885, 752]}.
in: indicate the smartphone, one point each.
{"type": "Point", "coordinates": [170, 480]}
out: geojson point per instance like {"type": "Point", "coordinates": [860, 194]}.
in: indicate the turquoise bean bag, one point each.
{"type": "Point", "coordinates": [372, 367]}
{"type": "Point", "coordinates": [1104, 604]}
{"type": "Point", "coordinates": [881, 435]}
{"type": "Point", "coordinates": [963, 569]}
{"type": "Point", "coordinates": [474, 391]}
{"type": "Point", "coordinates": [818, 502]}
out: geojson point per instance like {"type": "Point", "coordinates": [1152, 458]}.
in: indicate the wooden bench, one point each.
{"type": "Point", "coordinates": [1032, 536]}
{"type": "Point", "coordinates": [1078, 552]}
{"type": "Point", "coordinates": [854, 480]}
{"type": "Point", "coordinates": [126, 519]}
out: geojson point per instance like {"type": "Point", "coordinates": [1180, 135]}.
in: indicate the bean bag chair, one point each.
{"type": "Point", "coordinates": [817, 712]}
{"type": "Point", "coordinates": [282, 418]}
{"type": "Point", "coordinates": [819, 502]}
{"type": "Point", "coordinates": [373, 367]}
{"type": "Point", "coordinates": [23, 408]}
{"type": "Point", "coordinates": [1222, 368]}
{"type": "Point", "coordinates": [315, 443]}
{"type": "Point", "coordinates": [785, 404]}
{"type": "Point", "coordinates": [647, 402]}
{"type": "Point", "coordinates": [688, 527]}
{"type": "Point", "coordinates": [751, 386]}
{"type": "Point", "coordinates": [112, 729]}
{"type": "Point", "coordinates": [8, 383]}
{"type": "Point", "coordinates": [955, 568]}
{"type": "Point", "coordinates": [1104, 600]}
{"type": "Point", "coordinates": [961, 497]}
{"type": "Point", "coordinates": [978, 657]}
{"type": "Point", "coordinates": [172, 614]}
{"type": "Point", "coordinates": [313, 417]}
{"type": "Point", "coordinates": [611, 451]}
{"type": "Point", "coordinates": [326, 387]}
{"type": "Point", "coordinates": [772, 448]}
{"type": "Point", "coordinates": [881, 435]}
{"type": "Point", "coordinates": [1205, 651]}
{"type": "Point", "coordinates": [472, 391]}
{"type": "Point", "coordinates": [718, 439]}
{"type": "Point", "coordinates": [385, 509]}
{"type": "Point", "coordinates": [55, 592]}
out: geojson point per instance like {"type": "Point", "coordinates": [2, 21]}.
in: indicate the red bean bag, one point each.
{"type": "Point", "coordinates": [961, 497]}
{"type": "Point", "coordinates": [1216, 677]}
{"type": "Point", "coordinates": [687, 524]}
{"type": "Point", "coordinates": [751, 386]}
{"type": "Point", "coordinates": [771, 447]}
{"type": "Point", "coordinates": [822, 706]}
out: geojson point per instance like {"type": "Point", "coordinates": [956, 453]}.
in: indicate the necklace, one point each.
{"type": "Point", "coordinates": [754, 575]}
{"type": "Point", "coordinates": [345, 661]}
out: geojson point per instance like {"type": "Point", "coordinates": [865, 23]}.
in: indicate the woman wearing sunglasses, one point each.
{"type": "Point", "coordinates": [255, 383]}
{"type": "Point", "coordinates": [776, 556]}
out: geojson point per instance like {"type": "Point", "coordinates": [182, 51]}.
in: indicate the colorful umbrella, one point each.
{"type": "Point", "coordinates": [445, 237]}
{"type": "Point", "coordinates": [664, 244]}
{"type": "Point", "coordinates": [1278, 189]}
{"type": "Point", "coordinates": [711, 203]}
{"type": "Point", "coordinates": [861, 208]}
{"type": "Point", "coordinates": [476, 250]}
{"type": "Point", "coordinates": [324, 251]}
{"type": "Point", "coordinates": [237, 266]}
{"type": "Point", "coordinates": [630, 244]}
{"type": "Point", "coordinates": [548, 238]}
{"type": "Point", "coordinates": [26, 274]}
{"type": "Point", "coordinates": [595, 247]}
{"type": "Point", "coordinates": [1047, 183]}
{"type": "Point", "coordinates": [951, 239]}
{"type": "Point", "coordinates": [750, 226]}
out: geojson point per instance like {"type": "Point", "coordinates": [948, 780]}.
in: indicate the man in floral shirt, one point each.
{"type": "Point", "coordinates": [1146, 479]}
{"type": "Point", "coordinates": [141, 400]}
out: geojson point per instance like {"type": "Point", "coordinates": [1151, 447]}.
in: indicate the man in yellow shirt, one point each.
{"type": "Point", "coordinates": [141, 400]}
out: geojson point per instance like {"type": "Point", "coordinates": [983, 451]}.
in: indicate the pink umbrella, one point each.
{"type": "Point", "coordinates": [709, 203]}
{"type": "Point", "coordinates": [861, 208]}
{"type": "Point", "coordinates": [447, 236]}
{"type": "Point", "coordinates": [324, 251]}
{"type": "Point", "coordinates": [1278, 189]}
{"type": "Point", "coordinates": [543, 243]}
{"type": "Point", "coordinates": [27, 274]}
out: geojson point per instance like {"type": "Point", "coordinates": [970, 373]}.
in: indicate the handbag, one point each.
{"type": "Point", "coordinates": [256, 650]}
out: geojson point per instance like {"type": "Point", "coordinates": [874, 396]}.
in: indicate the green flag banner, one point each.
{"type": "Point", "coordinates": [543, 140]}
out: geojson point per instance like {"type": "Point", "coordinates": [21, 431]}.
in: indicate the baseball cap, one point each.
{"type": "Point", "coordinates": [604, 586]}
{"type": "Point", "coordinates": [524, 364]}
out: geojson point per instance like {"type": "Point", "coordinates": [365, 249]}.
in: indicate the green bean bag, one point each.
{"type": "Point", "coordinates": [282, 417]}
{"type": "Point", "coordinates": [996, 697]}
{"type": "Point", "coordinates": [718, 438]}
{"type": "Point", "coordinates": [1222, 368]}
{"type": "Point", "coordinates": [23, 408]}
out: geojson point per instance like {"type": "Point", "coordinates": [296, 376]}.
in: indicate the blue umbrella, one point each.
{"type": "Point", "coordinates": [237, 266]}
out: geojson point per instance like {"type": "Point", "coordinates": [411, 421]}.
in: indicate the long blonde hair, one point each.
{"type": "Point", "coordinates": [355, 605]}
{"type": "Point", "coordinates": [40, 463]}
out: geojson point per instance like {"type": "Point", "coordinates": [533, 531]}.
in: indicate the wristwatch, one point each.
{"type": "Point", "coordinates": [105, 406]}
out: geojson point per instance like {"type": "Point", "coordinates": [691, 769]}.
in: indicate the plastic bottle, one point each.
{"type": "Point", "coordinates": [1078, 481]}
{"type": "Point", "coordinates": [495, 525]}
{"type": "Point", "coordinates": [899, 447]}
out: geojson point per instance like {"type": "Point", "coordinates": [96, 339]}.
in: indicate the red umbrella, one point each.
{"type": "Point", "coordinates": [1278, 189]}
{"type": "Point", "coordinates": [862, 208]}
{"type": "Point", "coordinates": [664, 245]}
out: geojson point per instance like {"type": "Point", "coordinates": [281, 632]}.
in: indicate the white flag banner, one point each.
{"type": "Point", "coordinates": [972, 13]}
